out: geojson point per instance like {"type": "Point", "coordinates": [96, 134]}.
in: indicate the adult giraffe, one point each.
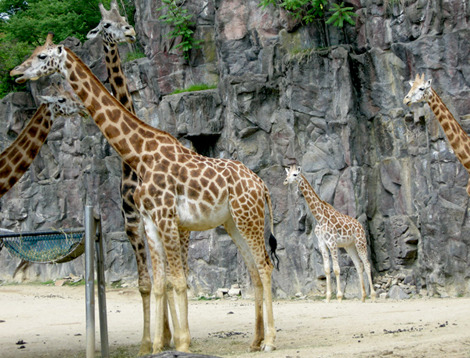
{"type": "Point", "coordinates": [114, 29]}
{"type": "Point", "coordinates": [459, 140]}
{"type": "Point", "coordinates": [16, 159]}
{"type": "Point", "coordinates": [179, 191]}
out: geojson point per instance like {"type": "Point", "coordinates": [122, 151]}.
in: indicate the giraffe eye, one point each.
{"type": "Point", "coordinates": [106, 25]}
{"type": "Point", "coordinates": [61, 100]}
{"type": "Point", "coordinates": [421, 88]}
{"type": "Point", "coordinates": [42, 56]}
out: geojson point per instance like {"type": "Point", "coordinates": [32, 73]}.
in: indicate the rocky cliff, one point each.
{"type": "Point", "coordinates": [286, 93]}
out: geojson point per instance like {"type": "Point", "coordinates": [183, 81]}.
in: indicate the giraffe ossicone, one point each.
{"type": "Point", "coordinates": [333, 231]}
{"type": "Point", "coordinates": [421, 91]}
{"type": "Point", "coordinates": [179, 191]}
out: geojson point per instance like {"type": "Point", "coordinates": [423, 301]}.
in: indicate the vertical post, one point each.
{"type": "Point", "coordinates": [101, 291]}
{"type": "Point", "coordinates": [90, 232]}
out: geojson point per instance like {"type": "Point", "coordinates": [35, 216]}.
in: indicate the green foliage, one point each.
{"type": "Point", "coordinates": [25, 24]}
{"type": "Point", "coordinates": [310, 10]}
{"type": "Point", "coordinates": [131, 56]}
{"type": "Point", "coordinates": [340, 14]}
{"type": "Point", "coordinates": [12, 53]}
{"type": "Point", "coordinates": [30, 21]}
{"type": "Point", "coordinates": [194, 88]}
{"type": "Point", "coordinates": [175, 15]}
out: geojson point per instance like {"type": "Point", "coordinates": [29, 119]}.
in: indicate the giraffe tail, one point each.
{"type": "Point", "coordinates": [272, 240]}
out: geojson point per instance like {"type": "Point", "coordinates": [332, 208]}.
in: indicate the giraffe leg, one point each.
{"type": "Point", "coordinates": [184, 242]}
{"type": "Point", "coordinates": [260, 269]}
{"type": "Point", "coordinates": [362, 251]}
{"type": "Point", "coordinates": [352, 252]}
{"type": "Point", "coordinates": [158, 258]}
{"type": "Point", "coordinates": [326, 264]}
{"type": "Point", "coordinates": [176, 283]}
{"type": "Point", "coordinates": [336, 270]}
{"type": "Point", "coordinates": [145, 285]}
{"type": "Point", "coordinates": [135, 233]}
{"type": "Point", "coordinates": [132, 225]}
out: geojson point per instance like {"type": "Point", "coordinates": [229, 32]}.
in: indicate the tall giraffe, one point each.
{"type": "Point", "coordinates": [459, 140]}
{"type": "Point", "coordinates": [179, 191]}
{"type": "Point", "coordinates": [114, 29]}
{"type": "Point", "coordinates": [16, 159]}
{"type": "Point", "coordinates": [334, 230]}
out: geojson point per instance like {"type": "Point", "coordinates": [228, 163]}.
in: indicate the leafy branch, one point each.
{"type": "Point", "coordinates": [179, 18]}
{"type": "Point", "coordinates": [340, 14]}
{"type": "Point", "coordinates": [310, 10]}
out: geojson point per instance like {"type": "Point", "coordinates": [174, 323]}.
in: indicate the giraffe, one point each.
{"type": "Point", "coordinates": [16, 159]}
{"type": "Point", "coordinates": [334, 230]}
{"type": "Point", "coordinates": [420, 91]}
{"type": "Point", "coordinates": [114, 29]}
{"type": "Point", "coordinates": [179, 191]}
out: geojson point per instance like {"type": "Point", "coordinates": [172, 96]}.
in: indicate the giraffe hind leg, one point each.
{"type": "Point", "coordinates": [362, 251]}
{"type": "Point", "coordinates": [352, 252]}
{"type": "Point", "coordinates": [260, 268]}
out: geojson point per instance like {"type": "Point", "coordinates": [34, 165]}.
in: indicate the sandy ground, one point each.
{"type": "Point", "coordinates": [49, 321]}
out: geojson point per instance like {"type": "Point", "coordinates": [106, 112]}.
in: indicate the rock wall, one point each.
{"type": "Point", "coordinates": [286, 93]}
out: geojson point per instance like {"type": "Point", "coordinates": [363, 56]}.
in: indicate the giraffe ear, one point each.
{"type": "Point", "coordinates": [428, 83]}
{"type": "Point", "coordinates": [299, 169]}
{"type": "Point", "coordinates": [410, 82]}
{"type": "Point", "coordinates": [287, 170]}
{"type": "Point", "coordinates": [93, 33]}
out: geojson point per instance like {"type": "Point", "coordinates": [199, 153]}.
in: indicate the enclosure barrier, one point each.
{"type": "Point", "coordinates": [59, 246]}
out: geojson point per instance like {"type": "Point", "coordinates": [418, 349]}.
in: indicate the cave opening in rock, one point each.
{"type": "Point", "coordinates": [205, 144]}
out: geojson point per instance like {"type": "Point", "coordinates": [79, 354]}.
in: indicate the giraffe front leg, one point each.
{"type": "Point", "coordinates": [158, 259]}
{"type": "Point", "coordinates": [337, 271]}
{"type": "Point", "coordinates": [326, 265]}
{"type": "Point", "coordinates": [176, 285]}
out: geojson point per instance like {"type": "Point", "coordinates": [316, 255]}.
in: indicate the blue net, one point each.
{"type": "Point", "coordinates": [46, 246]}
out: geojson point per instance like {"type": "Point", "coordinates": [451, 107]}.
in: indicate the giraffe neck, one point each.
{"type": "Point", "coordinates": [316, 205]}
{"type": "Point", "coordinates": [116, 77]}
{"type": "Point", "coordinates": [16, 159]}
{"type": "Point", "coordinates": [458, 138]}
{"type": "Point", "coordinates": [139, 145]}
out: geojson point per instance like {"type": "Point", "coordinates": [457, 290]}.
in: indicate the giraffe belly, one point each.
{"type": "Point", "coordinates": [195, 217]}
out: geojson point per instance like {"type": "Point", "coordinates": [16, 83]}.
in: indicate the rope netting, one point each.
{"type": "Point", "coordinates": [54, 246]}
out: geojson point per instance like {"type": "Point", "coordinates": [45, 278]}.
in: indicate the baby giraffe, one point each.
{"type": "Point", "coordinates": [334, 230]}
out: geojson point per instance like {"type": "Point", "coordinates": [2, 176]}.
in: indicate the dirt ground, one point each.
{"type": "Point", "coordinates": [49, 321]}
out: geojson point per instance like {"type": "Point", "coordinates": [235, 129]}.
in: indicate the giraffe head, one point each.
{"type": "Point", "coordinates": [113, 27]}
{"type": "Point", "coordinates": [420, 90]}
{"type": "Point", "coordinates": [45, 60]}
{"type": "Point", "coordinates": [293, 174]}
{"type": "Point", "coordinates": [63, 103]}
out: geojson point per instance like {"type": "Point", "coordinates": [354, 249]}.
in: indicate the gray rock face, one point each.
{"type": "Point", "coordinates": [282, 96]}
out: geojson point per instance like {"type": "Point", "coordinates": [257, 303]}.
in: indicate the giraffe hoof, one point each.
{"type": "Point", "coordinates": [145, 349]}
{"type": "Point", "coordinates": [268, 348]}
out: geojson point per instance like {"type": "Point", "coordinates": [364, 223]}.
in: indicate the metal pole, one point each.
{"type": "Point", "coordinates": [90, 232]}
{"type": "Point", "coordinates": [101, 292]}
